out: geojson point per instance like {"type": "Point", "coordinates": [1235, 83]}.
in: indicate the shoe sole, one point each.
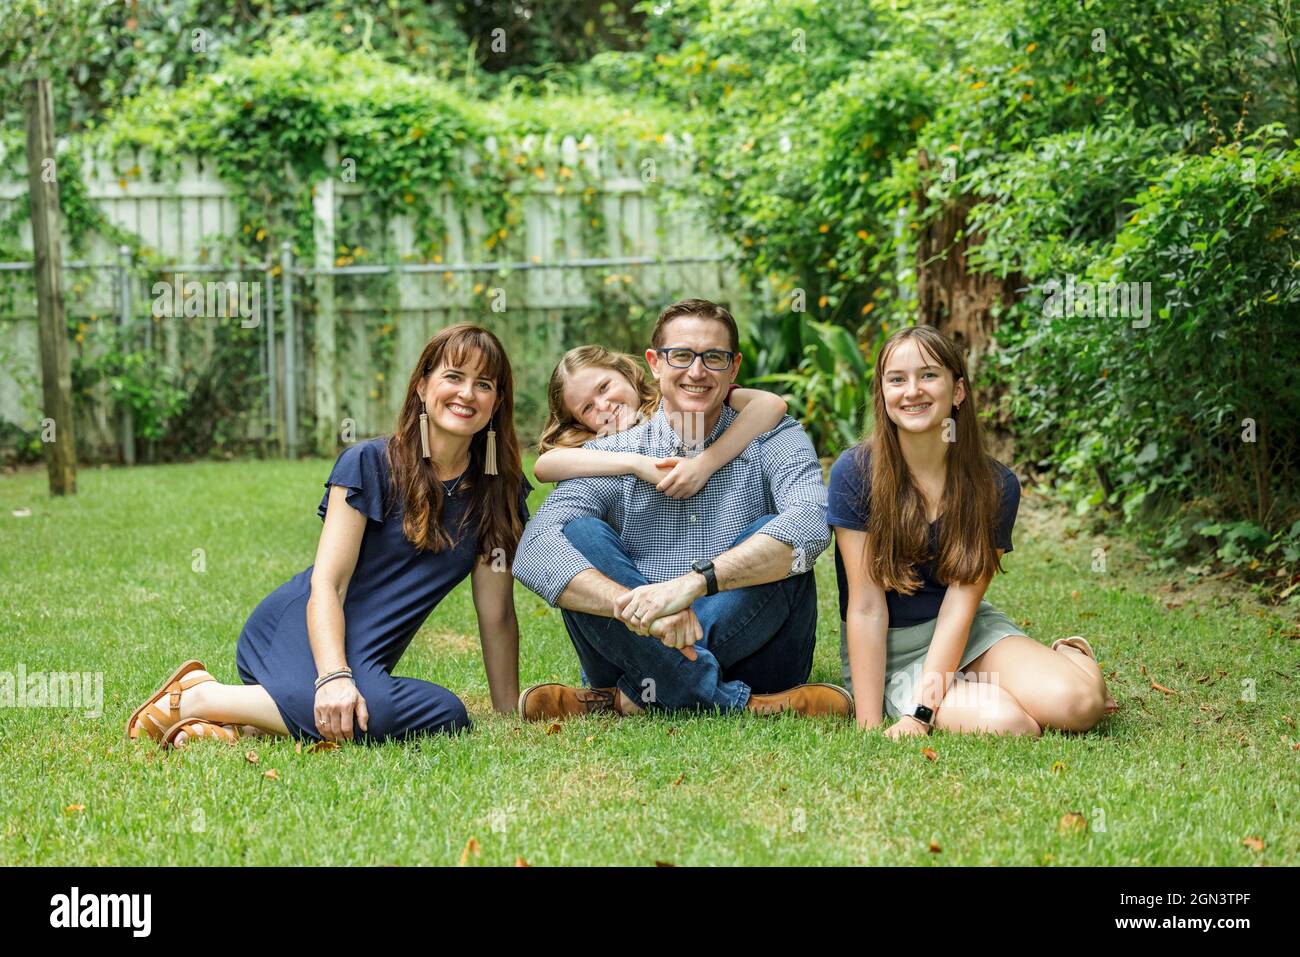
{"type": "Point", "coordinates": [1069, 643]}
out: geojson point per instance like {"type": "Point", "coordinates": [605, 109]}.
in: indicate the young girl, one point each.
{"type": "Point", "coordinates": [407, 518]}
{"type": "Point", "coordinates": [595, 391]}
{"type": "Point", "coordinates": [922, 516]}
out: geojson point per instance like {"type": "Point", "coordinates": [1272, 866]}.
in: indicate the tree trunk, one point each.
{"type": "Point", "coordinates": [959, 303]}
{"type": "Point", "coordinates": [57, 433]}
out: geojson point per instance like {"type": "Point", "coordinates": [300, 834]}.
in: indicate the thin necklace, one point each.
{"type": "Point", "coordinates": [450, 489]}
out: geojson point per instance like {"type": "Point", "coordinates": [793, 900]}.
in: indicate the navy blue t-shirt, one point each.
{"type": "Point", "coordinates": [850, 507]}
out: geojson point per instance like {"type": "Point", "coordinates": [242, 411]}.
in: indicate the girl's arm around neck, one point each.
{"type": "Point", "coordinates": [559, 464]}
{"type": "Point", "coordinates": [759, 412]}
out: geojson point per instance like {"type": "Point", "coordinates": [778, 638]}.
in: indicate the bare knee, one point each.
{"type": "Point", "coordinates": [985, 708]}
{"type": "Point", "coordinates": [1077, 705]}
{"type": "Point", "coordinates": [1010, 719]}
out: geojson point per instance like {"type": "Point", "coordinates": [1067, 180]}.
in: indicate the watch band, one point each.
{"type": "Point", "coordinates": [705, 568]}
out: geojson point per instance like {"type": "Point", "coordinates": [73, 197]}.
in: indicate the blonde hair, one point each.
{"type": "Point", "coordinates": [562, 430]}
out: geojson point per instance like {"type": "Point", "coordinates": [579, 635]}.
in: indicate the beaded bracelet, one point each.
{"type": "Point", "coordinates": [341, 673]}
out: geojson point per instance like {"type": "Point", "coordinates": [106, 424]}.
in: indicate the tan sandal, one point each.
{"type": "Point", "coordinates": [1081, 643]}
{"type": "Point", "coordinates": [150, 717]}
{"type": "Point", "coordinates": [199, 728]}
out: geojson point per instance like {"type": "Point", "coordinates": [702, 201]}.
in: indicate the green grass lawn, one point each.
{"type": "Point", "coordinates": [105, 582]}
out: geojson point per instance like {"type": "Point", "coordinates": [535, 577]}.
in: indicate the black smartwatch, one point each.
{"type": "Point", "coordinates": [705, 568]}
{"type": "Point", "coordinates": [924, 715]}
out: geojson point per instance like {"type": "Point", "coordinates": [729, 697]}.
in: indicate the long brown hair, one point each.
{"type": "Point", "coordinates": [494, 499]}
{"type": "Point", "coordinates": [969, 511]}
{"type": "Point", "coordinates": [562, 430]}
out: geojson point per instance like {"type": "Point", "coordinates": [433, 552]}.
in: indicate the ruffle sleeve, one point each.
{"type": "Point", "coordinates": [363, 470]}
{"type": "Point", "coordinates": [524, 491]}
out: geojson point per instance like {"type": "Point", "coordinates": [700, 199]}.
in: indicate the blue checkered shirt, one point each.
{"type": "Point", "coordinates": [777, 474]}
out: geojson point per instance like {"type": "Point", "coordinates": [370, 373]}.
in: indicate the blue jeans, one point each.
{"type": "Point", "coordinates": [758, 639]}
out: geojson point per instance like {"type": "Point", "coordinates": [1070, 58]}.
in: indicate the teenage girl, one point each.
{"type": "Point", "coordinates": [922, 515]}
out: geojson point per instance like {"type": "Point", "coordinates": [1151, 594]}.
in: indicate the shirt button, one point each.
{"type": "Point", "coordinates": [692, 518]}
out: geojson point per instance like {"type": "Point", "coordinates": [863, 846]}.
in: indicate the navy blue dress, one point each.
{"type": "Point", "coordinates": [393, 589]}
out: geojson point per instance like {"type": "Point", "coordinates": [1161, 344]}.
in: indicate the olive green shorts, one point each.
{"type": "Point", "coordinates": [905, 651]}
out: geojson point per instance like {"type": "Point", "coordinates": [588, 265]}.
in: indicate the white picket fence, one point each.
{"type": "Point", "coordinates": [340, 378]}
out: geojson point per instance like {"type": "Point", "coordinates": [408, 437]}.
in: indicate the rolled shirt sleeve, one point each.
{"type": "Point", "coordinates": [546, 560]}
{"type": "Point", "coordinates": [794, 478]}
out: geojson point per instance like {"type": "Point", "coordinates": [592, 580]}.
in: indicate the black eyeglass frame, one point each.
{"type": "Point", "coordinates": [664, 350]}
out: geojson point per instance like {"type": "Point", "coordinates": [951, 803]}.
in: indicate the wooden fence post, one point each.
{"type": "Point", "coordinates": [325, 438]}
{"type": "Point", "coordinates": [290, 350]}
{"type": "Point", "coordinates": [124, 322]}
{"type": "Point", "coordinates": [56, 377]}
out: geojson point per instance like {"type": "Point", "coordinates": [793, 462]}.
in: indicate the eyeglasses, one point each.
{"type": "Point", "coordinates": [718, 360]}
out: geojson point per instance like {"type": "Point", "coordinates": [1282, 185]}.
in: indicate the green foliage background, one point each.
{"type": "Point", "coordinates": [1107, 140]}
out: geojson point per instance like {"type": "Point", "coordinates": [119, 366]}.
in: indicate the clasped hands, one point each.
{"type": "Point", "coordinates": [663, 610]}
{"type": "Point", "coordinates": [675, 476]}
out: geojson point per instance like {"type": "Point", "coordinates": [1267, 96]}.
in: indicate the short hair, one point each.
{"type": "Point", "coordinates": [696, 307]}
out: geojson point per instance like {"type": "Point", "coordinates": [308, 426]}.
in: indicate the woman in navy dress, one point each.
{"type": "Point", "coordinates": [407, 518]}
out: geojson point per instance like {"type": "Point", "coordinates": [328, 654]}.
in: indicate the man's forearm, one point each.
{"type": "Point", "coordinates": [757, 560]}
{"type": "Point", "coordinates": [591, 592]}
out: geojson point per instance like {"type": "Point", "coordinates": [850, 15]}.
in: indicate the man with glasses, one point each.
{"type": "Point", "coordinates": [698, 603]}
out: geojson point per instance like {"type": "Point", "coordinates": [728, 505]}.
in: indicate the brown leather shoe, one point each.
{"type": "Point", "coordinates": [560, 701]}
{"type": "Point", "coordinates": [812, 699]}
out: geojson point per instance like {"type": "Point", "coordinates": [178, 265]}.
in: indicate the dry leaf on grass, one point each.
{"type": "Point", "coordinates": [320, 747]}
{"type": "Point", "coordinates": [554, 728]}
{"type": "Point", "coordinates": [664, 864]}
{"type": "Point", "coordinates": [1072, 821]}
{"type": "Point", "coordinates": [471, 847]}
{"type": "Point", "coordinates": [930, 754]}
{"type": "Point", "coordinates": [1254, 843]}
{"type": "Point", "coordinates": [73, 808]}
{"type": "Point", "coordinates": [520, 862]}
{"type": "Point", "coordinates": [1156, 686]}
{"type": "Point", "coordinates": [935, 848]}
{"type": "Point", "coordinates": [251, 757]}
{"type": "Point", "coordinates": [680, 778]}
{"type": "Point", "coordinates": [1058, 767]}
{"type": "Point", "coordinates": [273, 774]}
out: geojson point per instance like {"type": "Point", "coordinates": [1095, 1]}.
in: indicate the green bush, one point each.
{"type": "Point", "coordinates": [1204, 402]}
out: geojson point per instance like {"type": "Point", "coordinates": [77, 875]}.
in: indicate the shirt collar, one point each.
{"type": "Point", "coordinates": [666, 439]}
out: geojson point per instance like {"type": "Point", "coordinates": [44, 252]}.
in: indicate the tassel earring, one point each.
{"type": "Point", "coordinates": [490, 459]}
{"type": "Point", "coordinates": [424, 435]}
